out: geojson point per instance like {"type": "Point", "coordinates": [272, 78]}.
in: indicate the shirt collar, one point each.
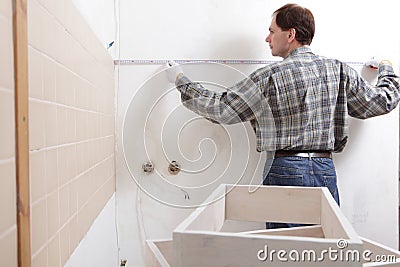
{"type": "Point", "coordinates": [299, 50]}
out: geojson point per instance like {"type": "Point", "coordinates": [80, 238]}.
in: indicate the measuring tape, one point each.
{"type": "Point", "coordinates": [220, 61]}
{"type": "Point", "coordinates": [182, 61]}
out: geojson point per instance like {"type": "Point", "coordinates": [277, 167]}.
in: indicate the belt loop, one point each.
{"type": "Point", "coordinates": [309, 156]}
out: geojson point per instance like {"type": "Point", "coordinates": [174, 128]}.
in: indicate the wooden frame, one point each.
{"type": "Point", "coordinates": [197, 241]}
{"type": "Point", "coordinates": [159, 253]}
{"type": "Point", "coordinates": [198, 235]}
{"type": "Point", "coordinates": [22, 134]}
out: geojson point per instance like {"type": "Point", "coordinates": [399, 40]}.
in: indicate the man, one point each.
{"type": "Point", "coordinates": [310, 98]}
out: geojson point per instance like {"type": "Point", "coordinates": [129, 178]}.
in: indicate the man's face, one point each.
{"type": "Point", "coordinates": [278, 40]}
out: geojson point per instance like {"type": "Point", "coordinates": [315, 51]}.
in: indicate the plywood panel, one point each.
{"type": "Point", "coordinates": [272, 204]}
{"type": "Point", "coordinates": [201, 246]}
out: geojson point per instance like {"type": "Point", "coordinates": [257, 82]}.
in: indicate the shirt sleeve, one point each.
{"type": "Point", "coordinates": [237, 103]}
{"type": "Point", "coordinates": [365, 100]}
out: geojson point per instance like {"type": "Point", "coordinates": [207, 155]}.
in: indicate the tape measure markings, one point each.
{"type": "Point", "coordinates": [182, 61]}
{"type": "Point", "coordinates": [220, 61]}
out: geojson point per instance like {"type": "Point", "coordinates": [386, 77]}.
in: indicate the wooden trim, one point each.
{"type": "Point", "coordinates": [21, 133]}
{"type": "Point", "coordinates": [333, 221]}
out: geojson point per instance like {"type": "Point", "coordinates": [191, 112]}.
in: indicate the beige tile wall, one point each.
{"type": "Point", "coordinates": [8, 227]}
{"type": "Point", "coordinates": [71, 108]}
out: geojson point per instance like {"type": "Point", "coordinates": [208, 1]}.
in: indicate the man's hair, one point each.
{"type": "Point", "coordinates": [297, 17]}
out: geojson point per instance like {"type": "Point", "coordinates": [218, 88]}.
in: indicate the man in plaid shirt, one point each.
{"type": "Point", "coordinates": [299, 107]}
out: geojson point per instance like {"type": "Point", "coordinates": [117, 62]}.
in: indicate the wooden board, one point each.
{"type": "Point", "coordinates": [226, 249]}
{"type": "Point", "coordinates": [274, 204]}
{"type": "Point", "coordinates": [198, 241]}
{"type": "Point", "coordinates": [22, 133]}
{"type": "Point", "coordinates": [333, 221]}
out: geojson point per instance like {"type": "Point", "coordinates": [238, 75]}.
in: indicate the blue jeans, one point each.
{"type": "Point", "coordinates": [300, 171]}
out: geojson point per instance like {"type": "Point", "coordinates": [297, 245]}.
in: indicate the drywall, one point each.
{"type": "Point", "coordinates": [211, 29]}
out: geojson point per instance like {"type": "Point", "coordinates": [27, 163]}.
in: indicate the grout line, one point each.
{"type": "Point", "coordinates": [48, 57]}
{"type": "Point", "coordinates": [74, 37]}
{"type": "Point", "coordinates": [70, 144]}
{"type": "Point", "coordinates": [6, 90]}
{"type": "Point", "coordinates": [86, 171]}
{"type": "Point", "coordinates": [49, 239]}
{"type": "Point", "coordinates": [45, 196]}
{"type": "Point", "coordinates": [37, 100]}
{"type": "Point", "coordinates": [60, 64]}
{"type": "Point", "coordinates": [8, 231]}
{"type": "Point", "coordinates": [7, 160]}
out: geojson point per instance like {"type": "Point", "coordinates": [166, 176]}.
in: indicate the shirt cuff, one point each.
{"type": "Point", "coordinates": [181, 83]}
{"type": "Point", "coordinates": [385, 67]}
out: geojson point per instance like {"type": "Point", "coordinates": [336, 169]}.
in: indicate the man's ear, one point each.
{"type": "Point", "coordinates": [292, 33]}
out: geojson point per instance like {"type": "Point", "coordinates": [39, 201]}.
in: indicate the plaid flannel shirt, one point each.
{"type": "Point", "coordinates": [300, 103]}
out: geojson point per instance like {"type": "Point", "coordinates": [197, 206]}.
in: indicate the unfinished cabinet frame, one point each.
{"type": "Point", "coordinates": [198, 241]}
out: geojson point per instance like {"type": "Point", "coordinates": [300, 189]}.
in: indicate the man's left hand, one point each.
{"type": "Point", "coordinates": [173, 71]}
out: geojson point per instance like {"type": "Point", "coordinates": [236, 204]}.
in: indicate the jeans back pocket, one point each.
{"type": "Point", "coordinates": [284, 179]}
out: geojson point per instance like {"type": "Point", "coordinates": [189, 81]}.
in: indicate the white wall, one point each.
{"type": "Point", "coordinates": [102, 17]}
{"type": "Point", "coordinates": [211, 29]}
